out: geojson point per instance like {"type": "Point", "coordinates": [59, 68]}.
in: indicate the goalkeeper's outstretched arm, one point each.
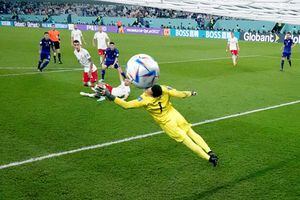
{"type": "Point", "coordinates": [128, 104]}
{"type": "Point", "coordinates": [181, 94]}
{"type": "Point", "coordinates": [125, 104]}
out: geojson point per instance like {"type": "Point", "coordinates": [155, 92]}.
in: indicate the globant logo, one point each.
{"type": "Point", "coordinates": [20, 24]}
{"type": "Point", "coordinates": [296, 39]}
{"type": "Point", "coordinates": [255, 37]}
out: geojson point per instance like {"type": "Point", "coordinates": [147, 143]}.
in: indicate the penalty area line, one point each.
{"type": "Point", "coordinates": [138, 137]}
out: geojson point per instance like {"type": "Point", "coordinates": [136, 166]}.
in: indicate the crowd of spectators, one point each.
{"type": "Point", "coordinates": [100, 9]}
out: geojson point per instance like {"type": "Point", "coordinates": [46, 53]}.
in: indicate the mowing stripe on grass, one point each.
{"type": "Point", "coordinates": [140, 136]}
{"type": "Point", "coordinates": [76, 69]}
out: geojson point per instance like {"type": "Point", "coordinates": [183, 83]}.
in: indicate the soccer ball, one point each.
{"type": "Point", "coordinates": [143, 71]}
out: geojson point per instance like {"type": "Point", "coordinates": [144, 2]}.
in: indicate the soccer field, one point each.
{"type": "Point", "coordinates": [43, 113]}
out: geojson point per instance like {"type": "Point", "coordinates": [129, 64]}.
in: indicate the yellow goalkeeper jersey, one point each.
{"type": "Point", "coordinates": [158, 107]}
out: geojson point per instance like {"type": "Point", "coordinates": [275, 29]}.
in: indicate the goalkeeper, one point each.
{"type": "Point", "coordinates": [156, 100]}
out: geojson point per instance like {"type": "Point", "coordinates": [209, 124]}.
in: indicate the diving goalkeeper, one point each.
{"type": "Point", "coordinates": [156, 100]}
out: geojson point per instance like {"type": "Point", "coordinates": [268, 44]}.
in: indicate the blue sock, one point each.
{"type": "Point", "coordinates": [44, 64]}
{"type": "Point", "coordinates": [282, 63]}
{"type": "Point", "coordinates": [39, 65]}
{"type": "Point", "coordinates": [103, 73]}
{"type": "Point", "coordinates": [123, 74]}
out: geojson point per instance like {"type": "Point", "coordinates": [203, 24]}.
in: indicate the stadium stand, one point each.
{"type": "Point", "coordinates": [290, 28]}
{"type": "Point", "coordinates": [110, 14]}
{"type": "Point", "coordinates": [244, 25]}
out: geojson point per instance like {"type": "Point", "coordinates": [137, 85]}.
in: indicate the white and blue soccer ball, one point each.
{"type": "Point", "coordinates": [143, 70]}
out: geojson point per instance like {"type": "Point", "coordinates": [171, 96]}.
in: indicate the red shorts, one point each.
{"type": "Point", "coordinates": [234, 52]}
{"type": "Point", "coordinates": [108, 87]}
{"type": "Point", "coordinates": [101, 52]}
{"type": "Point", "coordinates": [93, 78]}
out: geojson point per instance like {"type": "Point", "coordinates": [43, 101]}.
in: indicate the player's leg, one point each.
{"type": "Point", "coordinates": [86, 79]}
{"type": "Point", "coordinates": [184, 125]}
{"type": "Point", "coordinates": [94, 78]}
{"type": "Point", "coordinates": [85, 94]}
{"type": "Point", "coordinates": [179, 135]}
{"type": "Point", "coordinates": [103, 70]}
{"type": "Point", "coordinates": [40, 61]}
{"type": "Point", "coordinates": [195, 148]}
{"type": "Point", "coordinates": [198, 140]}
{"type": "Point", "coordinates": [57, 52]}
{"type": "Point", "coordinates": [118, 67]}
{"type": "Point", "coordinates": [54, 56]}
{"type": "Point", "coordinates": [46, 58]}
{"type": "Point", "coordinates": [234, 59]}
{"type": "Point", "coordinates": [289, 59]}
{"type": "Point", "coordinates": [59, 56]}
{"type": "Point", "coordinates": [44, 64]}
{"type": "Point", "coordinates": [232, 56]}
{"type": "Point", "coordinates": [283, 57]}
{"type": "Point", "coordinates": [101, 56]}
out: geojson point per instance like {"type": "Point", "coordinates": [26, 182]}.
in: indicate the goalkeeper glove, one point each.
{"type": "Point", "coordinates": [109, 95]}
{"type": "Point", "coordinates": [193, 93]}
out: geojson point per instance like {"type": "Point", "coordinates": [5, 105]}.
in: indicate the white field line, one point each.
{"type": "Point", "coordinates": [37, 72]}
{"type": "Point", "coordinates": [35, 69]}
{"type": "Point", "coordinates": [279, 57]}
{"type": "Point", "coordinates": [207, 59]}
{"type": "Point", "coordinates": [97, 146]}
{"type": "Point", "coordinates": [76, 69]}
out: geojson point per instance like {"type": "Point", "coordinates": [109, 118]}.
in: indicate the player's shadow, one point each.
{"type": "Point", "coordinates": [207, 193]}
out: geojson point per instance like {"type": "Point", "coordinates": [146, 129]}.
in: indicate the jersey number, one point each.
{"type": "Point", "coordinates": [160, 107]}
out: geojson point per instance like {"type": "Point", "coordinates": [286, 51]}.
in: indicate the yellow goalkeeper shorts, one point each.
{"type": "Point", "coordinates": [176, 127]}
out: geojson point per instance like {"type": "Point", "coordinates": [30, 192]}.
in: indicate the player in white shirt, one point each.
{"type": "Point", "coordinates": [90, 73]}
{"type": "Point", "coordinates": [102, 40]}
{"type": "Point", "coordinates": [122, 91]}
{"type": "Point", "coordinates": [234, 48]}
{"type": "Point", "coordinates": [76, 34]}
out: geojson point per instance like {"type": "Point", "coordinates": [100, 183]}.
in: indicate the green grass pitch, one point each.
{"type": "Point", "coordinates": [44, 113]}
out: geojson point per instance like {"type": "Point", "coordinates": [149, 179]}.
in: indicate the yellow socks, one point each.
{"type": "Point", "coordinates": [198, 140]}
{"type": "Point", "coordinates": [194, 147]}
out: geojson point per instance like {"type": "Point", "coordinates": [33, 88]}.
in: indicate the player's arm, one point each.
{"type": "Point", "coordinates": [52, 47]}
{"type": "Point", "coordinates": [125, 104]}
{"type": "Point", "coordinates": [72, 38]}
{"type": "Point", "coordinates": [237, 46]}
{"type": "Point", "coordinates": [92, 64]}
{"type": "Point", "coordinates": [116, 60]}
{"type": "Point", "coordinates": [227, 47]}
{"type": "Point", "coordinates": [94, 40]}
{"type": "Point", "coordinates": [180, 94]}
{"type": "Point", "coordinates": [117, 56]}
{"type": "Point", "coordinates": [129, 104]}
{"type": "Point", "coordinates": [125, 97]}
{"type": "Point", "coordinates": [58, 35]}
{"type": "Point", "coordinates": [121, 78]}
{"type": "Point", "coordinates": [82, 38]}
{"type": "Point", "coordinates": [40, 49]}
{"type": "Point", "coordinates": [107, 40]}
